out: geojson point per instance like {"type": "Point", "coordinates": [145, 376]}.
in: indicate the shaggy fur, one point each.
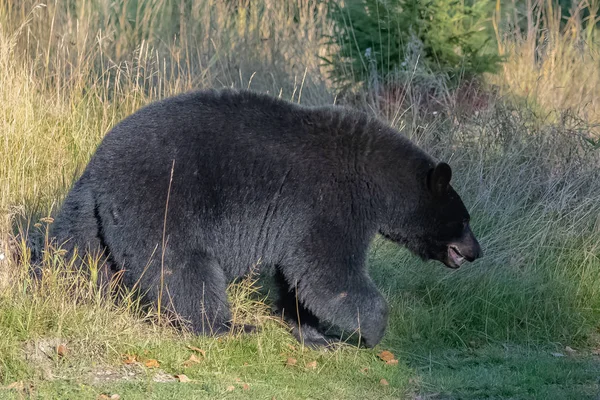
{"type": "Point", "coordinates": [303, 190]}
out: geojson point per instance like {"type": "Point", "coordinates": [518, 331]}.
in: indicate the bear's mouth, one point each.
{"type": "Point", "coordinates": [455, 257]}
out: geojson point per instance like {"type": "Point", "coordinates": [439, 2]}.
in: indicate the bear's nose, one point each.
{"type": "Point", "coordinates": [473, 251]}
{"type": "Point", "coordinates": [468, 246]}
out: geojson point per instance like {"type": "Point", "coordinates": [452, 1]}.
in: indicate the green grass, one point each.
{"type": "Point", "coordinates": [485, 331]}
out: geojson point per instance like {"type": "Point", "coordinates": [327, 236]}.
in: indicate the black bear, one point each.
{"type": "Point", "coordinates": [194, 190]}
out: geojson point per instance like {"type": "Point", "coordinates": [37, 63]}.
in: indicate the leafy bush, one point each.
{"type": "Point", "coordinates": [383, 38]}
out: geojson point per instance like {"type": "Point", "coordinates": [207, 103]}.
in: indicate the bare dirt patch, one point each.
{"type": "Point", "coordinates": [46, 355]}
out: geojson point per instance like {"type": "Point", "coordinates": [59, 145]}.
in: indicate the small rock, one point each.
{"type": "Point", "coordinates": [182, 378]}
{"type": "Point", "coordinates": [570, 350]}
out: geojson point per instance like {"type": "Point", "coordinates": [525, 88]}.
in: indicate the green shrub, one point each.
{"type": "Point", "coordinates": [384, 38]}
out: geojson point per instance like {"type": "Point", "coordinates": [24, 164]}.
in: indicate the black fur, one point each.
{"type": "Point", "coordinates": [303, 190]}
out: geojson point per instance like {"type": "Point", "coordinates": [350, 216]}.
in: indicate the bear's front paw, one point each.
{"type": "Point", "coordinates": [373, 323]}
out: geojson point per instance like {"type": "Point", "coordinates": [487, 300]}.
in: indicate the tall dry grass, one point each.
{"type": "Point", "coordinates": [553, 63]}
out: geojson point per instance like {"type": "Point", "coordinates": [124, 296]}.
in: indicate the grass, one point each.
{"type": "Point", "coordinates": [552, 65]}
{"type": "Point", "coordinates": [489, 330]}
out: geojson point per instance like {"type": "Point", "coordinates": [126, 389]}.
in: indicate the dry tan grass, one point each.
{"type": "Point", "coordinates": [555, 64]}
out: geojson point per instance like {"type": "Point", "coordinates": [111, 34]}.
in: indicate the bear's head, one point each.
{"type": "Point", "coordinates": [433, 222]}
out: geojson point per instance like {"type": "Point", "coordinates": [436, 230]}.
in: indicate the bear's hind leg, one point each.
{"type": "Point", "coordinates": [196, 291]}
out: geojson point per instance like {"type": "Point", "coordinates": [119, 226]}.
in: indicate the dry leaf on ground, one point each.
{"type": "Point", "coordinates": [197, 349]}
{"type": "Point", "coordinates": [107, 397]}
{"type": "Point", "coordinates": [386, 355]}
{"type": "Point", "coordinates": [291, 347]}
{"type": "Point", "coordinates": [230, 388]}
{"type": "Point", "coordinates": [392, 362]}
{"type": "Point", "coordinates": [129, 359]}
{"type": "Point", "coordinates": [18, 385]}
{"type": "Point", "coordinates": [102, 397]}
{"type": "Point", "coordinates": [192, 360]}
{"type": "Point", "coordinates": [384, 382]}
{"type": "Point", "coordinates": [61, 350]}
{"type": "Point", "coordinates": [182, 378]}
{"type": "Point", "coordinates": [245, 386]}
{"type": "Point", "coordinates": [312, 365]}
{"type": "Point", "coordinates": [151, 363]}
{"type": "Point", "coordinates": [291, 362]}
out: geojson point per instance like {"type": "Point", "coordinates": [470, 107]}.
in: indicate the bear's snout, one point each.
{"type": "Point", "coordinates": [466, 248]}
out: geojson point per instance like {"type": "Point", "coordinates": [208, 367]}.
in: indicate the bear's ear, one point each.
{"type": "Point", "coordinates": [438, 179]}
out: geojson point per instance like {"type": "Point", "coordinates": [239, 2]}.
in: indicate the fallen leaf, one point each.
{"type": "Point", "coordinates": [384, 382]}
{"type": "Point", "coordinates": [364, 370]}
{"type": "Point", "coordinates": [245, 386]}
{"type": "Point", "coordinates": [115, 397]}
{"type": "Point", "coordinates": [230, 388]}
{"type": "Point", "coordinates": [152, 363]}
{"type": "Point", "coordinates": [129, 359]}
{"type": "Point", "coordinates": [61, 350]}
{"type": "Point", "coordinates": [291, 347]}
{"type": "Point", "coordinates": [392, 362]}
{"type": "Point", "coordinates": [192, 360]}
{"type": "Point", "coordinates": [386, 355]}
{"type": "Point", "coordinates": [570, 350]}
{"type": "Point", "coordinates": [182, 378]}
{"type": "Point", "coordinates": [102, 397]}
{"type": "Point", "coordinates": [557, 354]}
{"type": "Point", "coordinates": [197, 349]}
{"type": "Point", "coordinates": [312, 365]}
{"type": "Point", "coordinates": [291, 362]}
{"type": "Point", "coordinates": [238, 380]}
{"type": "Point", "coordinates": [16, 385]}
